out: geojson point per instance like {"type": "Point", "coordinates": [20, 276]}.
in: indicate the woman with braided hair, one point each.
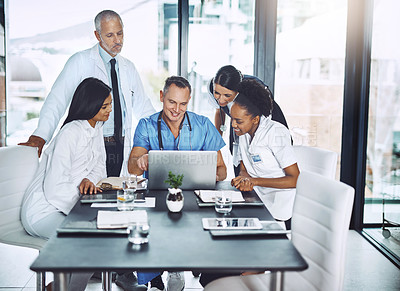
{"type": "Point", "coordinates": [266, 157]}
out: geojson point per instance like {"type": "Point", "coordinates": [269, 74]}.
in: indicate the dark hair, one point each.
{"type": "Point", "coordinates": [255, 98]}
{"type": "Point", "coordinates": [88, 98]}
{"type": "Point", "coordinates": [179, 81]}
{"type": "Point", "coordinates": [228, 77]}
{"type": "Point", "coordinates": [106, 15]}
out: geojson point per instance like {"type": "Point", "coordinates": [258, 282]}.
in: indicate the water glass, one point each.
{"type": "Point", "coordinates": [138, 232]}
{"type": "Point", "coordinates": [126, 199]}
{"type": "Point", "coordinates": [223, 203]}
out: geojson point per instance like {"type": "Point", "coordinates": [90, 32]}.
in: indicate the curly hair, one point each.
{"type": "Point", "coordinates": [255, 98]}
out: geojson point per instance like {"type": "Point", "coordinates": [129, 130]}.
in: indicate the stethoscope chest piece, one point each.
{"type": "Point", "coordinates": [222, 128]}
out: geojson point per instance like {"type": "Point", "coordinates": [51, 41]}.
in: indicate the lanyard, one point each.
{"type": "Point", "coordinates": [160, 143]}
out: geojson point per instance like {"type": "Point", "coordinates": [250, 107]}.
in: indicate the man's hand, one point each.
{"type": "Point", "coordinates": [143, 162]}
{"type": "Point", "coordinates": [243, 183]}
{"type": "Point", "coordinates": [35, 141]}
{"type": "Point", "coordinates": [88, 186]}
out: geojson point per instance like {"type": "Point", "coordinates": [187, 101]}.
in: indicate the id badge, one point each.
{"type": "Point", "coordinates": [256, 159]}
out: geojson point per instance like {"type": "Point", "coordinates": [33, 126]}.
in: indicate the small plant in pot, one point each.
{"type": "Point", "coordinates": [175, 196]}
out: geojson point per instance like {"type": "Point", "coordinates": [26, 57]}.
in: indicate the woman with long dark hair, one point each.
{"type": "Point", "coordinates": [71, 165]}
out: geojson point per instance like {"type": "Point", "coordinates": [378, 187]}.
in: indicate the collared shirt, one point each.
{"type": "Point", "coordinates": [109, 124]}
{"type": "Point", "coordinates": [266, 156]}
{"type": "Point", "coordinates": [77, 152]}
{"type": "Point", "coordinates": [203, 136]}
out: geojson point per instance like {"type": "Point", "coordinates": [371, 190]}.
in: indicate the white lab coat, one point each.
{"type": "Point", "coordinates": [88, 63]}
{"type": "Point", "coordinates": [266, 156]}
{"type": "Point", "coordinates": [77, 152]}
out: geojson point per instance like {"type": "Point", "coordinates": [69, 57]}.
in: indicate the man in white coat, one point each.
{"type": "Point", "coordinates": [97, 62]}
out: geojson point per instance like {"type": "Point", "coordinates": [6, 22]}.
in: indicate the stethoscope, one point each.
{"type": "Point", "coordinates": [223, 127]}
{"type": "Point", "coordinates": [160, 143]}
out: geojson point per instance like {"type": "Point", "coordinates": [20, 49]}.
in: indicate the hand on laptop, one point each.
{"type": "Point", "coordinates": [143, 162]}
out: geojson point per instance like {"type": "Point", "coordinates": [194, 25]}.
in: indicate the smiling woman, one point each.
{"type": "Point", "coordinates": [267, 160]}
{"type": "Point", "coordinates": [72, 165]}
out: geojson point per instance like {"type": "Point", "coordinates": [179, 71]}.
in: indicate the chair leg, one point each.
{"type": "Point", "coordinates": [40, 281]}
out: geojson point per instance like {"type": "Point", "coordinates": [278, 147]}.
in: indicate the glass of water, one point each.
{"type": "Point", "coordinates": [138, 232]}
{"type": "Point", "coordinates": [223, 202]}
{"type": "Point", "coordinates": [126, 199]}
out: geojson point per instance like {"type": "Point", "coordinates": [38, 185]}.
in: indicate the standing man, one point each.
{"type": "Point", "coordinates": [102, 62]}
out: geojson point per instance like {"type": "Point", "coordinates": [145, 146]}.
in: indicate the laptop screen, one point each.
{"type": "Point", "coordinates": [199, 168]}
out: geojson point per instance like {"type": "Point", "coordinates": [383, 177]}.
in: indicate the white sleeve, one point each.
{"type": "Point", "coordinates": [58, 99]}
{"type": "Point", "coordinates": [281, 146]}
{"type": "Point", "coordinates": [99, 171]}
{"type": "Point", "coordinates": [58, 185]}
{"type": "Point", "coordinates": [141, 103]}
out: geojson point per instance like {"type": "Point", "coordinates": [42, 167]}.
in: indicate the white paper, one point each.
{"type": "Point", "coordinates": [119, 219]}
{"type": "Point", "coordinates": [209, 195]}
{"type": "Point", "coordinates": [150, 202]}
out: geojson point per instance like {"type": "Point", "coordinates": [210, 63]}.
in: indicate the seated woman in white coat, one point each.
{"type": "Point", "coordinates": [71, 165]}
{"type": "Point", "coordinates": [266, 156]}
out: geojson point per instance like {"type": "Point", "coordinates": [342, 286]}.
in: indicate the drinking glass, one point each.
{"type": "Point", "coordinates": [223, 202]}
{"type": "Point", "coordinates": [138, 231]}
{"type": "Point", "coordinates": [126, 199]}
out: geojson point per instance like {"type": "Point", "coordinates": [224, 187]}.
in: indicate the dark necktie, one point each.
{"type": "Point", "coordinates": [117, 104]}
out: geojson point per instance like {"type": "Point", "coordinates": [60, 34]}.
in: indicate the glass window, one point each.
{"type": "Point", "coordinates": [41, 40]}
{"type": "Point", "coordinates": [383, 145]}
{"type": "Point", "coordinates": [309, 78]}
{"type": "Point", "coordinates": [220, 33]}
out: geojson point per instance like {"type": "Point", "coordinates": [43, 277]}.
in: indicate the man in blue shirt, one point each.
{"type": "Point", "coordinates": [178, 129]}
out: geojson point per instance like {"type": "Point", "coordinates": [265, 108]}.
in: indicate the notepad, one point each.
{"type": "Point", "coordinates": [119, 219]}
{"type": "Point", "coordinates": [209, 195]}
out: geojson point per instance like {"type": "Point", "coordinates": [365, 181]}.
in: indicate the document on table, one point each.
{"type": "Point", "coordinates": [150, 202]}
{"type": "Point", "coordinates": [119, 219]}
{"type": "Point", "coordinates": [209, 195]}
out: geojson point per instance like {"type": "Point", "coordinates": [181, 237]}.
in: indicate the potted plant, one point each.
{"type": "Point", "coordinates": [175, 196]}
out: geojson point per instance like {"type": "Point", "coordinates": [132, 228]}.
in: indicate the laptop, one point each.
{"type": "Point", "coordinates": [199, 168]}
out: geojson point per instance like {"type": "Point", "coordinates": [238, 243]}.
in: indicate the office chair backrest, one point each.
{"type": "Point", "coordinates": [316, 160]}
{"type": "Point", "coordinates": [320, 224]}
{"type": "Point", "coordinates": [18, 165]}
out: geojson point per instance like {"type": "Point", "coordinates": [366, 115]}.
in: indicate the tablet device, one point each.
{"type": "Point", "coordinates": [199, 168]}
{"type": "Point", "coordinates": [109, 197]}
{"type": "Point", "coordinates": [231, 223]}
{"type": "Point", "coordinates": [269, 227]}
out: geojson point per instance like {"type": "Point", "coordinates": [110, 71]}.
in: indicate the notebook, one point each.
{"type": "Point", "coordinates": [198, 167]}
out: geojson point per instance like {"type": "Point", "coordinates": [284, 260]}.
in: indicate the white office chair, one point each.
{"type": "Point", "coordinates": [316, 160]}
{"type": "Point", "coordinates": [320, 225]}
{"type": "Point", "coordinates": [18, 165]}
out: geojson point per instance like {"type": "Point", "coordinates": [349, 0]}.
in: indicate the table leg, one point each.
{"type": "Point", "coordinates": [276, 283]}
{"type": "Point", "coordinates": [60, 281]}
{"type": "Point", "coordinates": [106, 281]}
{"type": "Point", "coordinates": [41, 281]}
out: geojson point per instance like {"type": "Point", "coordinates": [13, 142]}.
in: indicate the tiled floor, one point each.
{"type": "Point", "coordinates": [366, 269]}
